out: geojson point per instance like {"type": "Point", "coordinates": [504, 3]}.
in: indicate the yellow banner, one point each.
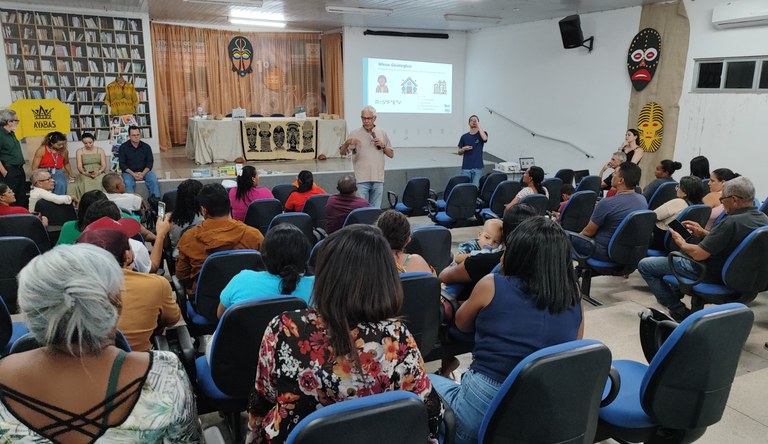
{"type": "Point", "coordinates": [38, 117]}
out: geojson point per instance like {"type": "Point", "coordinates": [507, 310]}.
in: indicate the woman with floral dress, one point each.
{"type": "Point", "coordinates": [349, 345]}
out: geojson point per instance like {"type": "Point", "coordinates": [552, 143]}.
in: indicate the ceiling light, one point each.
{"type": "Point", "coordinates": [357, 10]}
{"type": "Point", "coordinates": [259, 23]}
{"type": "Point", "coordinates": [247, 13]}
{"type": "Point", "coordinates": [471, 18]}
{"type": "Point", "coordinates": [249, 3]}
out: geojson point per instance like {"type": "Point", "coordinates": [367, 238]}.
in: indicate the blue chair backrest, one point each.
{"type": "Point", "coordinates": [421, 308]}
{"type": "Point", "coordinates": [677, 389]}
{"type": "Point", "coordinates": [169, 197]}
{"type": "Point", "coordinates": [591, 183]}
{"type": "Point", "coordinates": [6, 324]}
{"type": "Point", "coordinates": [261, 212]}
{"type": "Point", "coordinates": [363, 419]}
{"type": "Point", "coordinates": [565, 175]}
{"type": "Point", "coordinates": [553, 186]}
{"type": "Point", "coordinates": [538, 202]}
{"type": "Point", "coordinates": [503, 194]}
{"type": "Point", "coordinates": [452, 182]}
{"type": "Point", "coordinates": [746, 269]}
{"type": "Point", "coordinates": [433, 243]}
{"type": "Point", "coordinates": [282, 191]}
{"type": "Point", "coordinates": [663, 194]}
{"type": "Point", "coordinates": [629, 242]}
{"type": "Point", "coordinates": [489, 186]}
{"type": "Point", "coordinates": [578, 210]}
{"type": "Point", "coordinates": [235, 350]}
{"type": "Point", "coordinates": [416, 194]}
{"type": "Point", "coordinates": [17, 252]}
{"type": "Point", "coordinates": [217, 270]}
{"type": "Point", "coordinates": [26, 225]}
{"type": "Point", "coordinates": [567, 379]}
{"type": "Point", "coordinates": [462, 201]}
{"type": "Point", "coordinates": [366, 216]}
{"type": "Point", "coordinates": [764, 207]}
{"type": "Point", "coordinates": [315, 207]}
{"type": "Point", "coordinates": [301, 220]}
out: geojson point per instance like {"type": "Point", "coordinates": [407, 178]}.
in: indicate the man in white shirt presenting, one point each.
{"type": "Point", "coordinates": [368, 146]}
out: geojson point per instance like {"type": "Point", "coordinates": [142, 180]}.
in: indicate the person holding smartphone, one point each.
{"type": "Point", "coordinates": [690, 191]}
{"type": "Point", "coordinates": [713, 250]}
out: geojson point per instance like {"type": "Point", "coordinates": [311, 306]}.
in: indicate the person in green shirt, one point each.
{"type": "Point", "coordinates": [11, 157]}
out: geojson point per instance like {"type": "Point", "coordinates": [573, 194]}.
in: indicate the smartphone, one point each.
{"type": "Point", "coordinates": [677, 226]}
{"type": "Point", "coordinates": [161, 210]}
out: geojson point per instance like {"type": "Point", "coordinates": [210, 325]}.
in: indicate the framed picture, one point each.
{"type": "Point", "coordinates": [526, 162]}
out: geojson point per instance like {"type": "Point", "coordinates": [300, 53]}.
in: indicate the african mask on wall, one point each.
{"type": "Point", "coordinates": [650, 123]}
{"type": "Point", "coordinates": [643, 57]}
{"type": "Point", "coordinates": [241, 55]}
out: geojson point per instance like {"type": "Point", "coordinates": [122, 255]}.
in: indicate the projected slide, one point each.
{"type": "Point", "coordinates": [400, 86]}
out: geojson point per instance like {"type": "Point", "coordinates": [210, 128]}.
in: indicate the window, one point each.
{"type": "Point", "coordinates": [731, 75]}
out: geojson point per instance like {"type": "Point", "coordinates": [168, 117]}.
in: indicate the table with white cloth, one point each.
{"type": "Point", "coordinates": [211, 141]}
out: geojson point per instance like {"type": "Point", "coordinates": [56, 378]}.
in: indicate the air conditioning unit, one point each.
{"type": "Point", "coordinates": [249, 3]}
{"type": "Point", "coordinates": [738, 14]}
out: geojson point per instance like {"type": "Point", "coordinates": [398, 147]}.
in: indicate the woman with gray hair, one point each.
{"type": "Point", "coordinates": [11, 157]}
{"type": "Point", "coordinates": [79, 387]}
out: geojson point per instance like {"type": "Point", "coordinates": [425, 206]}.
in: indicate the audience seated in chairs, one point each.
{"type": "Point", "coordinates": [339, 205]}
{"type": "Point", "coordinates": [324, 355]}
{"type": "Point", "coordinates": [186, 212]}
{"type": "Point", "coordinates": [284, 252]}
{"type": "Point", "coordinates": [397, 230]}
{"type": "Point", "coordinates": [531, 304]}
{"type": "Point", "coordinates": [609, 213]}
{"type": "Point", "coordinates": [247, 191]}
{"type": "Point", "coordinates": [148, 303]}
{"type": "Point", "coordinates": [7, 201]}
{"type": "Point", "coordinates": [42, 189]}
{"type": "Point", "coordinates": [664, 171]}
{"type": "Point", "coordinates": [690, 191]}
{"type": "Point", "coordinates": [716, 181]}
{"type": "Point", "coordinates": [738, 197]}
{"type": "Point", "coordinates": [532, 179]}
{"type": "Point", "coordinates": [218, 232]}
{"type": "Point", "coordinates": [305, 187]}
{"type": "Point", "coordinates": [71, 300]}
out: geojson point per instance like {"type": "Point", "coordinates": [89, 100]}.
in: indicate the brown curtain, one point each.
{"type": "Point", "coordinates": [192, 67]}
{"type": "Point", "coordinates": [671, 20]}
{"type": "Point", "coordinates": [333, 73]}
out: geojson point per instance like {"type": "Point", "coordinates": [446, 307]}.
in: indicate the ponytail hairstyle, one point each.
{"type": "Point", "coordinates": [724, 174]}
{"type": "Point", "coordinates": [285, 250]}
{"type": "Point", "coordinates": [537, 176]}
{"type": "Point", "coordinates": [306, 181]}
{"type": "Point", "coordinates": [245, 182]}
{"type": "Point", "coordinates": [670, 166]}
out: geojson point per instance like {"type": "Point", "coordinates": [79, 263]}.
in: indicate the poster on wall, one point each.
{"type": "Point", "coordinates": [643, 57]}
{"type": "Point", "coordinates": [241, 55]}
{"type": "Point", "coordinates": [650, 123]}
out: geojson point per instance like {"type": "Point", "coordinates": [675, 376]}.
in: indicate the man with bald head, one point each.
{"type": "Point", "coordinates": [339, 205]}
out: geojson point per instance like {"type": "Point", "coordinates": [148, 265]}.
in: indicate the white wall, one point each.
{"type": "Point", "coordinates": [727, 128]}
{"type": "Point", "coordinates": [406, 130]}
{"type": "Point", "coordinates": [523, 72]}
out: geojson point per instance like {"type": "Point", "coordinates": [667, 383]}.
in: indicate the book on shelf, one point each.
{"type": "Point", "coordinates": [57, 20]}
{"type": "Point", "coordinates": [99, 97]}
{"type": "Point", "coordinates": [36, 94]}
{"type": "Point", "coordinates": [121, 38]}
{"type": "Point", "coordinates": [72, 136]}
{"type": "Point", "coordinates": [42, 34]}
{"type": "Point", "coordinates": [71, 109]}
{"type": "Point", "coordinates": [28, 33]}
{"type": "Point", "coordinates": [82, 81]}
{"type": "Point", "coordinates": [33, 80]}
{"type": "Point", "coordinates": [51, 94]}
{"type": "Point", "coordinates": [42, 19]}
{"type": "Point", "coordinates": [19, 95]}
{"type": "Point", "coordinates": [86, 109]}
{"type": "Point", "coordinates": [77, 51]}
{"type": "Point", "coordinates": [135, 39]}
{"type": "Point", "coordinates": [50, 79]}
{"type": "Point", "coordinates": [76, 36]}
{"type": "Point", "coordinates": [30, 64]}
{"type": "Point", "coordinates": [64, 81]}
{"type": "Point", "coordinates": [134, 25]}
{"type": "Point", "coordinates": [140, 82]}
{"type": "Point", "coordinates": [106, 37]}
{"type": "Point", "coordinates": [47, 65]}
{"type": "Point", "coordinates": [46, 50]}
{"type": "Point", "coordinates": [146, 133]}
{"type": "Point", "coordinates": [14, 64]}
{"type": "Point", "coordinates": [119, 24]}
{"type": "Point", "coordinates": [11, 48]}
{"type": "Point", "coordinates": [13, 79]}
{"type": "Point", "coordinates": [138, 67]}
{"type": "Point", "coordinates": [62, 51]}
{"type": "Point", "coordinates": [75, 21]}
{"type": "Point", "coordinates": [91, 23]}
{"type": "Point", "coordinates": [8, 16]}
{"type": "Point", "coordinates": [102, 134]}
{"type": "Point", "coordinates": [60, 35]}
{"type": "Point", "coordinates": [136, 54]}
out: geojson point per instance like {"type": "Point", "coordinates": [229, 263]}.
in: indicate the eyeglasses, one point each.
{"type": "Point", "coordinates": [14, 120]}
{"type": "Point", "coordinates": [733, 196]}
{"type": "Point", "coordinates": [46, 180]}
{"type": "Point", "coordinates": [368, 118]}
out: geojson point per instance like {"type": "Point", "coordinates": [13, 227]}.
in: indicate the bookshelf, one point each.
{"type": "Point", "coordinates": [73, 57]}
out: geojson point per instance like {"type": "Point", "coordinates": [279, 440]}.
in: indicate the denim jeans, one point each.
{"type": "Point", "coordinates": [60, 181]}
{"type": "Point", "coordinates": [150, 180]}
{"type": "Point", "coordinates": [372, 192]}
{"type": "Point", "coordinates": [653, 270]}
{"type": "Point", "coordinates": [468, 400]}
{"type": "Point", "coordinates": [474, 176]}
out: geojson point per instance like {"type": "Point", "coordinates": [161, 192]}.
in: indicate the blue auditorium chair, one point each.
{"type": "Point", "coordinates": [415, 195]}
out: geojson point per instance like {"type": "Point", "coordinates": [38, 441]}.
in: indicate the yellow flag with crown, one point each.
{"type": "Point", "coordinates": [38, 117]}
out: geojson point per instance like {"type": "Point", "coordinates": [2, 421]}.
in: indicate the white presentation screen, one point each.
{"type": "Point", "coordinates": [401, 86]}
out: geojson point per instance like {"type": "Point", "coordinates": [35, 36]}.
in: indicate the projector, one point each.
{"type": "Point", "coordinates": [507, 167]}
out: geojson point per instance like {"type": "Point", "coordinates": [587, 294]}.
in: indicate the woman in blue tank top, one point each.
{"type": "Point", "coordinates": [532, 303]}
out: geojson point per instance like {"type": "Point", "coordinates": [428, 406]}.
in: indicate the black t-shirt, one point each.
{"type": "Point", "coordinates": [478, 266]}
